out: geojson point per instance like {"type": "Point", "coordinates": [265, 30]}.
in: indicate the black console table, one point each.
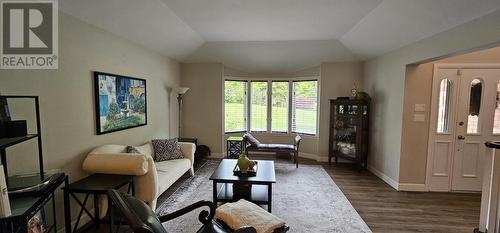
{"type": "Point", "coordinates": [24, 207]}
{"type": "Point", "coordinates": [8, 142]}
{"type": "Point", "coordinates": [96, 185]}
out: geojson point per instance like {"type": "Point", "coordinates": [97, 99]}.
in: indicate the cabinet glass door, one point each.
{"type": "Point", "coordinates": [344, 132]}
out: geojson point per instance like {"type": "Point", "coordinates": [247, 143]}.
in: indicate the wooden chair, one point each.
{"type": "Point", "coordinates": [141, 218]}
{"type": "Point", "coordinates": [252, 144]}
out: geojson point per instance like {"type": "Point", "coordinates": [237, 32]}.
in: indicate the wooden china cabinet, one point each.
{"type": "Point", "coordinates": [349, 124]}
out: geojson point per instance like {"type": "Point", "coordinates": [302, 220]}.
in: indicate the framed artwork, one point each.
{"type": "Point", "coordinates": [120, 101]}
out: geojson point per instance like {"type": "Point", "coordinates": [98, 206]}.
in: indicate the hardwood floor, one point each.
{"type": "Point", "coordinates": [386, 210]}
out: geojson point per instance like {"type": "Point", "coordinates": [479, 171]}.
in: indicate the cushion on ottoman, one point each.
{"type": "Point", "coordinates": [244, 213]}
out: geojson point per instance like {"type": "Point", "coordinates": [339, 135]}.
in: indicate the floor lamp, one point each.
{"type": "Point", "coordinates": [180, 92]}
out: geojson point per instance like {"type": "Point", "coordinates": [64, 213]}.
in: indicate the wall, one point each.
{"type": "Point", "coordinates": [202, 112]}
{"type": "Point", "coordinates": [384, 80]}
{"type": "Point", "coordinates": [67, 96]}
{"type": "Point", "coordinates": [337, 79]}
{"type": "Point", "coordinates": [415, 135]}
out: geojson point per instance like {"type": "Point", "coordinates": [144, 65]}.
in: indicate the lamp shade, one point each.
{"type": "Point", "coordinates": [182, 90]}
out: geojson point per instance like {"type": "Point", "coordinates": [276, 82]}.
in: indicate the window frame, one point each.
{"type": "Point", "coordinates": [245, 106]}
{"type": "Point", "coordinates": [317, 105]}
{"type": "Point", "coordinates": [249, 108]}
{"type": "Point", "coordinates": [289, 108]}
{"type": "Point", "coordinates": [269, 81]}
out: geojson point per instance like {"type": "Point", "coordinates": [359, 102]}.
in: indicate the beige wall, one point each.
{"type": "Point", "coordinates": [415, 135]}
{"type": "Point", "coordinates": [384, 80]}
{"type": "Point", "coordinates": [313, 71]}
{"type": "Point", "coordinates": [337, 79]}
{"type": "Point", "coordinates": [67, 96]}
{"type": "Point", "coordinates": [202, 112]}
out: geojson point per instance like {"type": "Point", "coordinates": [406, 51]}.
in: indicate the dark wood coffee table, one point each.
{"type": "Point", "coordinates": [262, 183]}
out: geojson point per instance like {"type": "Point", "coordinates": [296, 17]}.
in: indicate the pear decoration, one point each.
{"type": "Point", "coordinates": [243, 163]}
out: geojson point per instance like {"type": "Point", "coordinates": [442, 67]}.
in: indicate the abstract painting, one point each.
{"type": "Point", "coordinates": [120, 102]}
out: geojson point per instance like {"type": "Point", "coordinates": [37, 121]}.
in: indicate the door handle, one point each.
{"type": "Point", "coordinates": [460, 137]}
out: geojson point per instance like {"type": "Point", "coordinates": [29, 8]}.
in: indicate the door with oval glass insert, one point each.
{"type": "Point", "coordinates": [465, 113]}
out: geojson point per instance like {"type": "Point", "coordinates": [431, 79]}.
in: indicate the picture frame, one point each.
{"type": "Point", "coordinates": [120, 102]}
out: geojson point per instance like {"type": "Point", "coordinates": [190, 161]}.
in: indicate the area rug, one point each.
{"type": "Point", "coordinates": [305, 197]}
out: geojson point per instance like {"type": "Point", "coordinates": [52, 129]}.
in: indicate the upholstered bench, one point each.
{"type": "Point", "coordinates": [253, 145]}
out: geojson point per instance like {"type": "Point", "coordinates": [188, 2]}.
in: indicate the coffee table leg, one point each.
{"type": "Point", "coordinates": [269, 197]}
{"type": "Point", "coordinates": [215, 193]}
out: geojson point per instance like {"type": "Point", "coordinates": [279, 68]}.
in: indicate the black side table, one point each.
{"type": "Point", "coordinates": [25, 205]}
{"type": "Point", "coordinates": [96, 184]}
{"type": "Point", "coordinates": [235, 147]}
{"type": "Point", "coordinates": [192, 140]}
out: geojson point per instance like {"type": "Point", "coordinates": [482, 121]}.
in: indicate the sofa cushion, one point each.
{"type": "Point", "coordinates": [169, 171]}
{"type": "Point", "coordinates": [166, 149]}
{"type": "Point", "coordinates": [276, 147]}
{"type": "Point", "coordinates": [251, 140]}
{"type": "Point", "coordinates": [146, 149]}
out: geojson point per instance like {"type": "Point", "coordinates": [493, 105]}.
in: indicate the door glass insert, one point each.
{"type": "Point", "coordinates": [496, 121]}
{"type": "Point", "coordinates": [474, 106]}
{"type": "Point", "coordinates": [444, 106]}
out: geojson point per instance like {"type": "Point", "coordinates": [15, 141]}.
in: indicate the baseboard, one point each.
{"type": "Point", "coordinates": [394, 184]}
{"type": "Point", "coordinates": [313, 157]}
{"type": "Point", "coordinates": [84, 220]}
{"type": "Point", "coordinates": [412, 187]}
{"type": "Point", "coordinates": [216, 156]}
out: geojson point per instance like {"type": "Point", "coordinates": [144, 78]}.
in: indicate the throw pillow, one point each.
{"type": "Point", "coordinates": [251, 139]}
{"type": "Point", "coordinates": [132, 150]}
{"type": "Point", "coordinates": [166, 149]}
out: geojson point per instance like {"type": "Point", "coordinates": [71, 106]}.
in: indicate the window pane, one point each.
{"type": "Point", "coordinates": [279, 116]}
{"type": "Point", "coordinates": [496, 122]}
{"type": "Point", "coordinates": [234, 106]}
{"type": "Point", "coordinates": [474, 106]}
{"type": "Point", "coordinates": [258, 111]}
{"type": "Point", "coordinates": [304, 109]}
{"type": "Point", "coordinates": [444, 106]}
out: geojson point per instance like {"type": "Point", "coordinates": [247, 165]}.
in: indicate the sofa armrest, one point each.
{"type": "Point", "coordinates": [116, 163]}
{"type": "Point", "coordinates": [188, 149]}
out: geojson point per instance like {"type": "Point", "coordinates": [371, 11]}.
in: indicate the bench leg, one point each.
{"type": "Point", "coordinates": [296, 159]}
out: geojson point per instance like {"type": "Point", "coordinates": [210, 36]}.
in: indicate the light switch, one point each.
{"type": "Point", "coordinates": [419, 117]}
{"type": "Point", "coordinates": [419, 107]}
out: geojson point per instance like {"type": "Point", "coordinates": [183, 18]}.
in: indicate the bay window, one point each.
{"type": "Point", "coordinates": [272, 106]}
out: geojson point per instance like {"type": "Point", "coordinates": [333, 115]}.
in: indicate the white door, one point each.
{"type": "Point", "coordinates": [463, 115]}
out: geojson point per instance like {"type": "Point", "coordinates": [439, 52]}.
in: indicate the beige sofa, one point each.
{"type": "Point", "coordinates": [152, 178]}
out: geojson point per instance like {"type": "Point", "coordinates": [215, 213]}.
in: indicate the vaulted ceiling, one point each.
{"type": "Point", "coordinates": [276, 36]}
